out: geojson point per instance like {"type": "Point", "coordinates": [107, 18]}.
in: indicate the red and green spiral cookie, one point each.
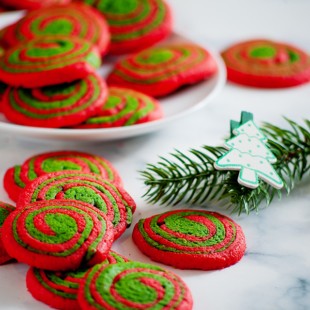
{"type": "Point", "coordinates": [266, 64]}
{"type": "Point", "coordinates": [59, 289]}
{"type": "Point", "coordinates": [5, 210]}
{"type": "Point", "coordinates": [48, 61]}
{"type": "Point", "coordinates": [76, 19]}
{"type": "Point", "coordinates": [108, 197]}
{"type": "Point", "coordinates": [125, 107]}
{"type": "Point", "coordinates": [16, 178]}
{"type": "Point", "coordinates": [55, 106]}
{"type": "Point", "coordinates": [58, 234]}
{"type": "Point", "coordinates": [162, 70]}
{"type": "Point", "coordinates": [133, 285]}
{"type": "Point", "coordinates": [31, 4]}
{"type": "Point", "coordinates": [134, 25]}
{"type": "Point", "coordinates": [191, 239]}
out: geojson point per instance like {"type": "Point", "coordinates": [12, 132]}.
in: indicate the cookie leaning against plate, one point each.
{"type": "Point", "coordinates": [16, 178]}
{"type": "Point", "coordinates": [160, 71]}
{"type": "Point", "coordinates": [31, 4]}
{"type": "Point", "coordinates": [266, 64]}
{"type": "Point", "coordinates": [133, 285]}
{"type": "Point", "coordinates": [135, 25]}
{"type": "Point", "coordinates": [55, 106]}
{"type": "Point", "coordinates": [59, 289]}
{"type": "Point", "coordinates": [5, 210]}
{"type": "Point", "coordinates": [76, 19]}
{"type": "Point", "coordinates": [48, 61]}
{"type": "Point", "coordinates": [125, 107]}
{"type": "Point", "coordinates": [191, 239]}
{"type": "Point", "coordinates": [58, 234]}
{"type": "Point", "coordinates": [110, 198]}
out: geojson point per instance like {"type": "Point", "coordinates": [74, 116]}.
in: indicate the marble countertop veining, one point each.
{"type": "Point", "coordinates": [274, 274]}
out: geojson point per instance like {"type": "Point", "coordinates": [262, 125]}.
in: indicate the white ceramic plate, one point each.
{"type": "Point", "coordinates": [175, 106]}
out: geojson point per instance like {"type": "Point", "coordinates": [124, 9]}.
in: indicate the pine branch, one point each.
{"type": "Point", "coordinates": [192, 178]}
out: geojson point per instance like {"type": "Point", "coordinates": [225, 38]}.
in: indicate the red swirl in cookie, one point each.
{"type": "Point", "coordinates": [266, 64]}
{"type": "Point", "coordinates": [125, 107]}
{"type": "Point", "coordinates": [16, 178]}
{"type": "Point", "coordinates": [48, 61]}
{"type": "Point", "coordinates": [5, 210]}
{"type": "Point", "coordinates": [108, 197]}
{"type": "Point", "coordinates": [151, 287]}
{"type": "Point", "coordinates": [58, 234]}
{"type": "Point", "coordinates": [32, 4]}
{"type": "Point", "coordinates": [135, 25]}
{"type": "Point", "coordinates": [161, 70]}
{"type": "Point", "coordinates": [73, 20]}
{"type": "Point", "coordinates": [191, 239]}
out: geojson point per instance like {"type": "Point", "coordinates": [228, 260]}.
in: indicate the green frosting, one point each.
{"type": "Point", "coordinates": [293, 56]}
{"type": "Point", "coordinates": [118, 6]}
{"type": "Point", "coordinates": [157, 56]}
{"type": "Point", "coordinates": [263, 52]}
{"type": "Point", "coordinates": [57, 26]}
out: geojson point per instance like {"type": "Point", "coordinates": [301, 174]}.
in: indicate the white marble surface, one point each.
{"type": "Point", "coordinates": [275, 271]}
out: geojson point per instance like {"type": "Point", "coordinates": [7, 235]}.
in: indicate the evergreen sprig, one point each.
{"type": "Point", "coordinates": [192, 179]}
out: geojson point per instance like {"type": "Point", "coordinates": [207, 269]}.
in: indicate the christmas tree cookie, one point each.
{"type": "Point", "coordinates": [133, 285]}
{"type": "Point", "coordinates": [191, 239]}
{"type": "Point", "coordinates": [125, 107]}
{"type": "Point", "coordinates": [266, 64]}
{"type": "Point", "coordinates": [73, 20]}
{"type": "Point", "coordinates": [162, 70]}
{"type": "Point", "coordinates": [48, 61]}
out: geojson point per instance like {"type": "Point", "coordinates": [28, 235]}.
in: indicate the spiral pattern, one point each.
{"type": "Point", "coordinates": [159, 71]}
{"type": "Point", "coordinates": [32, 4]}
{"type": "Point", "coordinates": [191, 239]}
{"type": "Point", "coordinates": [58, 234]}
{"type": "Point", "coordinates": [125, 107]}
{"type": "Point", "coordinates": [133, 285]}
{"type": "Point", "coordinates": [55, 106]}
{"type": "Point", "coordinates": [108, 197]}
{"type": "Point", "coordinates": [76, 19]}
{"type": "Point", "coordinates": [47, 61]}
{"type": "Point", "coordinates": [135, 25]}
{"type": "Point", "coordinates": [267, 64]}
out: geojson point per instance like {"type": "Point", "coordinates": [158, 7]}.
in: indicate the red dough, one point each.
{"type": "Point", "coordinates": [48, 61]}
{"type": "Point", "coordinates": [58, 234]}
{"type": "Point", "coordinates": [162, 70]}
{"type": "Point", "coordinates": [266, 64]}
{"type": "Point", "coordinates": [31, 4]}
{"type": "Point", "coordinates": [191, 239]}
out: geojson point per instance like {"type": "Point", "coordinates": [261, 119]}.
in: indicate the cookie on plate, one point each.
{"type": "Point", "coordinates": [108, 197]}
{"type": "Point", "coordinates": [191, 239]}
{"type": "Point", "coordinates": [266, 64]}
{"type": "Point", "coordinates": [76, 19]}
{"type": "Point", "coordinates": [59, 289]}
{"type": "Point", "coordinates": [125, 107]}
{"type": "Point", "coordinates": [58, 234]}
{"type": "Point", "coordinates": [135, 25]}
{"type": "Point", "coordinates": [133, 285]}
{"type": "Point", "coordinates": [48, 61]}
{"type": "Point", "coordinates": [31, 4]}
{"type": "Point", "coordinates": [5, 210]}
{"type": "Point", "coordinates": [55, 106]}
{"type": "Point", "coordinates": [162, 70]}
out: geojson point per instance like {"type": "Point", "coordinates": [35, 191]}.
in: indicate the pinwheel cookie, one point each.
{"type": "Point", "coordinates": [59, 289]}
{"type": "Point", "coordinates": [110, 198]}
{"type": "Point", "coordinates": [266, 64]}
{"type": "Point", "coordinates": [31, 4]}
{"type": "Point", "coordinates": [5, 210]}
{"type": "Point", "coordinates": [48, 61]}
{"type": "Point", "coordinates": [160, 71]}
{"type": "Point", "coordinates": [133, 285]}
{"type": "Point", "coordinates": [125, 107]}
{"type": "Point", "coordinates": [135, 25]}
{"type": "Point", "coordinates": [16, 178]}
{"type": "Point", "coordinates": [73, 20]}
{"type": "Point", "coordinates": [191, 239]}
{"type": "Point", "coordinates": [58, 234]}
